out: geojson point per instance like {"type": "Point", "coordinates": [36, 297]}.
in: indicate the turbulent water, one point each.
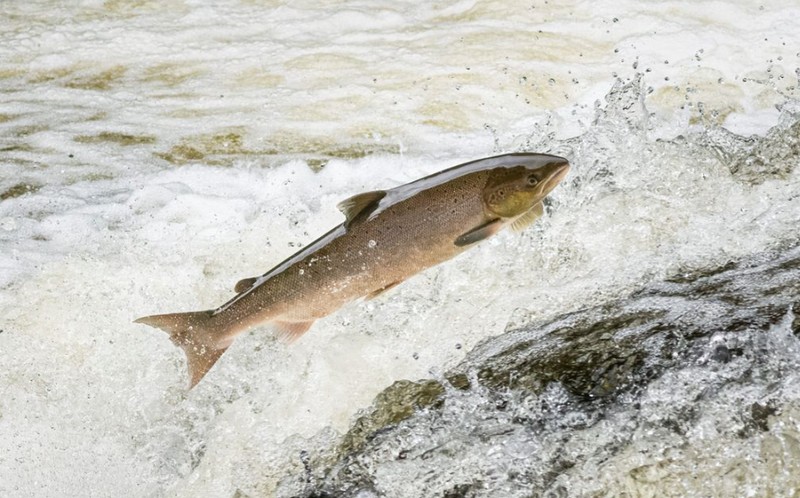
{"type": "Point", "coordinates": [154, 153]}
{"type": "Point", "coordinates": [688, 387]}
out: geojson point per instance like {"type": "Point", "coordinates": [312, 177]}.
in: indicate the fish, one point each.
{"type": "Point", "coordinates": [387, 237]}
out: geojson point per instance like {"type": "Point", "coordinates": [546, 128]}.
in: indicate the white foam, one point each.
{"type": "Point", "coordinates": [116, 231]}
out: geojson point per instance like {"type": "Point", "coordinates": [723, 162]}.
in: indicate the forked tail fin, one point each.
{"type": "Point", "coordinates": [193, 333]}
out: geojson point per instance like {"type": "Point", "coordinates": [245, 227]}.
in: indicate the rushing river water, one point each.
{"type": "Point", "coordinates": [639, 340]}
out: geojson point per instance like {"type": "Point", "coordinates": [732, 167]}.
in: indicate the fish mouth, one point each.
{"type": "Point", "coordinates": [557, 173]}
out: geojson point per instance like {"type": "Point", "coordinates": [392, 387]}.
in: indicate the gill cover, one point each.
{"type": "Point", "coordinates": [511, 192]}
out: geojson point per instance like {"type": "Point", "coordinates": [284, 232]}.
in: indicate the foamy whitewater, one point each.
{"type": "Point", "coordinates": [154, 153]}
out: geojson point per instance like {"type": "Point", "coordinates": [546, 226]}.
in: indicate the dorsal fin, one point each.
{"type": "Point", "coordinates": [360, 205]}
{"type": "Point", "coordinates": [529, 217]}
{"type": "Point", "coordinates": [244, 284]}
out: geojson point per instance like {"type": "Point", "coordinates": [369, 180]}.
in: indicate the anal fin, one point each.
{"type": "Point", "coordinates": [289, 332]}
{"type": "Point", "coordinates": [479, 233]}
{"type": "Point", "coordinates": [376, 293]}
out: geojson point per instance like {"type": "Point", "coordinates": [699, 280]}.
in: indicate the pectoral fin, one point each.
{"type": "Point", "coordinates": [528, 218]}
{"type": "Point", "coordinates": [479, 233]}
{"type": "Point", "coordinates": [243, 285]}
{"type": "Point", "coordinates": [361, 205]}
{"type": "Point", "coordinates": [290, 331]}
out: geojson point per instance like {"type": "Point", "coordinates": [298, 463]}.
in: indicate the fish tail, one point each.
{"type": "Point", "coordinates": [194, 333]}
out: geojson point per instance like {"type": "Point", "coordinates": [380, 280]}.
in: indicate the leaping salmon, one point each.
{"type": "Point", "coordinates": [387, 237]}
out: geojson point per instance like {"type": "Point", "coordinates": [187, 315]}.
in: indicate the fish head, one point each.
{"type": "Point", "coordinates": [513, 190]}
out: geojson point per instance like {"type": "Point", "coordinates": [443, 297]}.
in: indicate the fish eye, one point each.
{"type": "Point", "coordinates": [532, 180]}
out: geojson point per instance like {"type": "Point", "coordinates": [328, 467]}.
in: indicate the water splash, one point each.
{"type": "Point", "coordinates": [686, 383]}
{"type": "Point", "coordinates": [671, 388]}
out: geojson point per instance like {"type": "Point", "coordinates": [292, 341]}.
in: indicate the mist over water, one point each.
{"type": "Point", "coordinates": [154, 153]}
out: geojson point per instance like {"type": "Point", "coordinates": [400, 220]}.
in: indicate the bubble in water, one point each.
{"type": "Point", "coordinates": [8, 224]}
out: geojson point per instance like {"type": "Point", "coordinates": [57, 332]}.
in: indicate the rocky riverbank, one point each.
{"type": "Point", "coordinates": [687, 386]}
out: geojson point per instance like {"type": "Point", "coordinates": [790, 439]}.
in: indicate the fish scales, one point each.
{"type": "Point", "coordinates": [399, 242]}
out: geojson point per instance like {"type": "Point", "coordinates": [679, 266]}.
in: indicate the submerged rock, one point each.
{"type": "Point", "coordinates": [687, 387]}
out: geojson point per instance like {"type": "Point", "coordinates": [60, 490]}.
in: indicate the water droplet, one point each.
{"type": "Point", "coordinates": [8, 224]}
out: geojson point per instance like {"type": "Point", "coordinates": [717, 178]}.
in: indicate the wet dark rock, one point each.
{"type": "Point", "coordinates": [759, 415]}
{"type": "Point", "coordinates": [543, 392]}
{"type": "Point", "coordinates": [459, 491]}
{"type": "Point", "coordinates": [596, 364]}
{"type": "Point", "coordinates": [395, 404]}
{"type": "Point", "coordinates": [796, 321]}
{"type": "Point", "coordinates": [721, 354]}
